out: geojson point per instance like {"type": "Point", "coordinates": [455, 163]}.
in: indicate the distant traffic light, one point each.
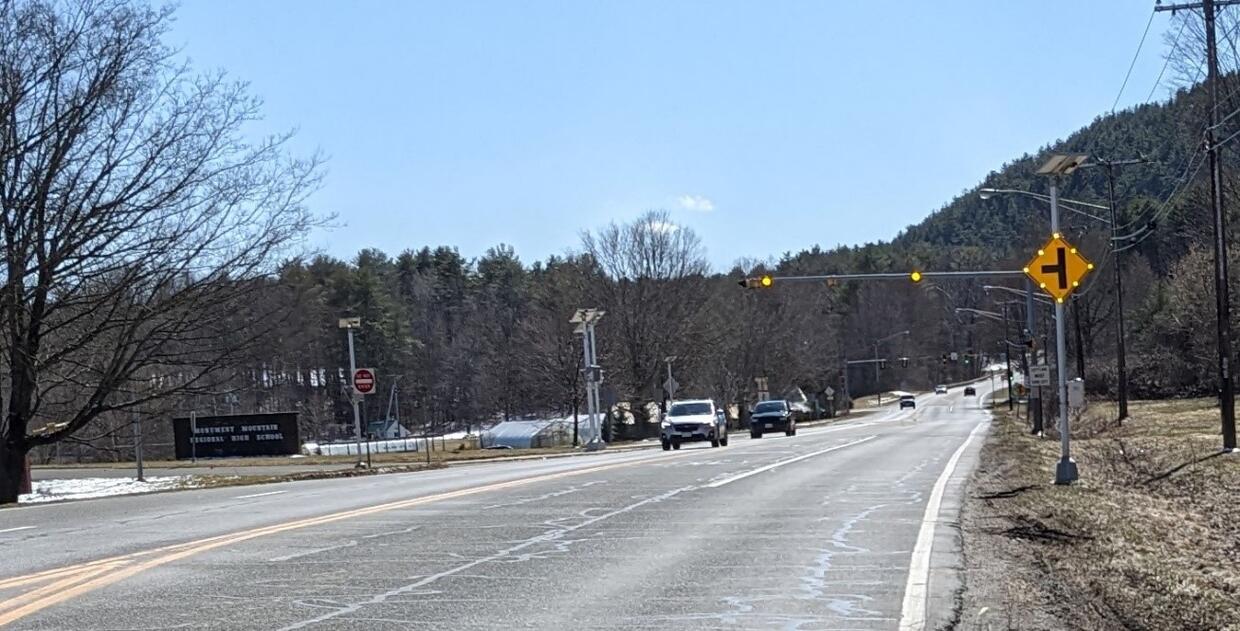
{"type": "Point", "coordinates": [882, 364]}
{"type": "Point", "coordinates": [915, 276]}
{"type": "Point", "coordinates": [904, 362]}
{"type": "Point", "coordinates": [764, 281]}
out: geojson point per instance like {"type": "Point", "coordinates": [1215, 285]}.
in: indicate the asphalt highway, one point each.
{"type": "Point", "coordinates": [847, 526]}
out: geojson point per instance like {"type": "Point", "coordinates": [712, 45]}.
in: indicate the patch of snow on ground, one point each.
{"type": "Point", "coordinates": [85, 488]}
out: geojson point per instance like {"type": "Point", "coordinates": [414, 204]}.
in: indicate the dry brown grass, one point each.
{"type": "Point", "coordinates": [1149, 538]}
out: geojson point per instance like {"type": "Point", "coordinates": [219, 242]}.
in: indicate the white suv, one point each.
{"type": "Point", "coordinates": [689, 421]}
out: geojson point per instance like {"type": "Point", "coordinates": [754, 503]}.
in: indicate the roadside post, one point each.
{"type": "Point", "coordinates": [1058, 269]}
{"type": "Point", "coordinates": [348, 324]}
{"type": "Point", "coordinates": [137, 445]}
{"type": "Point", "coordinates": [193, 436]}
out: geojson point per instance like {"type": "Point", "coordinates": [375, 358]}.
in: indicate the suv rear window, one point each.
{"type": "Point", "coordinates": [769, 406]}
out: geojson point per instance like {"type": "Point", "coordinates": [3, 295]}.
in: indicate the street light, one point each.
{"type": "Point", "coordinates": [987, 193]}
{"type": "Point", "coordinates": [586, 319]}
{"type": "Point", "coordinates": [993, 315]}
{"type": "Point", "coordinates": [1017, 292]}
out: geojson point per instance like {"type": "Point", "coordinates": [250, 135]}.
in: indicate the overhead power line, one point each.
{"type": "Point", "coordinates": [1132, 65]}
{"type": "Point", "coordinates": [1175, 45]}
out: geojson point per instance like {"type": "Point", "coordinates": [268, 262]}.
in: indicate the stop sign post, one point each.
{"type": "Point", "coordinates": [364, 380]}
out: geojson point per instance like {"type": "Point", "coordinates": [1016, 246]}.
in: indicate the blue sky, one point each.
{"type": "Point", "coordinates": [765, 126]}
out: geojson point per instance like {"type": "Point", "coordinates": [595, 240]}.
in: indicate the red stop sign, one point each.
{"type": "Point", "coordinates": [364, 380]}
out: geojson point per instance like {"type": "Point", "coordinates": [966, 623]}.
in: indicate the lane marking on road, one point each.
{"type": "Point", "coordinates": [913, 611]}
{"type": "Point", "coordinates": [246, 497]}
{"type": "Point", "coordinates": [774, 465]}
{"type": "Point", "coordinates": [52, 588]}
{"type": "Point", "coordinates": [84, 578]}
{"type": "Point", "coordinates": [17, 529]}
{"type": "Point", "coordinates": [304, 553]}
{"type": "Point", "coordinates": [554, 535]}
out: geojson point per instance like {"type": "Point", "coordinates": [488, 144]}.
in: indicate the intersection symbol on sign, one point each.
{"type": "Point", "coordinates": [1058, 268]}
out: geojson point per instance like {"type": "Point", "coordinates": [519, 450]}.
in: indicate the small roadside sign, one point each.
{"type": "Point", "coordinates": [1040, 375]}
{"type": "Point", "coordinates": [1076, 393]}
{"type": "Point", "coordinates": [829, 392]}
{"type": "Point", "coordinates": [670, 387]}
{"type": "Point", "coordinates": [1058, 268]}
{"type": "Point", "coordinates": [364, 380]}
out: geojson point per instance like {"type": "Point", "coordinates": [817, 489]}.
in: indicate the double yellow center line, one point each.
{"type": "Point", "coordinates": [61, 584]}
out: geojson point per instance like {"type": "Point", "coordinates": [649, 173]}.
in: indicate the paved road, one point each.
{"type": "Point", "coordinates": [817, 531]}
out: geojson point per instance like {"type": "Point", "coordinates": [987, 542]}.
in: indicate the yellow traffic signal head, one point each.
{"type": "Point", "coordinates": [766, 280]}
{"type": "Point", "coordinates": [915, 276]}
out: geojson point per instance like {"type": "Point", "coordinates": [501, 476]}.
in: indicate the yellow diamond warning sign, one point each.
{"type": "Point", "coordinates": [1058, 268]}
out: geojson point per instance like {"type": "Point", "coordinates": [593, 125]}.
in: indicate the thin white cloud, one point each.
{"type": "Point", "coordinates": [696, 202]}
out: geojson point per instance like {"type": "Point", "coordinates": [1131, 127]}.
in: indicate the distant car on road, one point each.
{"type": "Point", "coordinates": [776, 415]}
{"type": "Point", "coordinates": [940, 389]}
{"type": "Point", "coordinates": [691, 421]}
{"type": "Point", "coordinates": [969, 391]}
{"type": "Point", "coordinates": [908, 401]}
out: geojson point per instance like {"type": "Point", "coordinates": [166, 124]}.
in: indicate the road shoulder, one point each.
{"type": "Point", "coordinates": [1143, 540]}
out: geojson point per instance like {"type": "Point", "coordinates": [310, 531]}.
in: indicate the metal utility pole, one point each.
{"type": "Point", "coordinates": [137, 445]}
{"type": "Point", "coordinates": [878, 363]}
{"type": "Point", "coordinates": [1080, 338]}
{"type": "Point", "coordinates": [669, 386]}
{"type": "Point", "coordinates": [1065, 471]}
{"type": "Point", "coordinates": [348, 324]}
{"type": "Point", "coordinates": [1222, 299]}
{"type": "Point", "coordinates": [878, 376]}
{"type": "Point", "coordinates": [847, 394]}
{"type": "Point", "coordinates": [1007, 356]}
{"type": "Point", "coordinates": [1030, 397]}
{"type": "Point", "coordinates": [1121, 361]}
{"type": "Point", "coordinates": [193, 437]}
{"type": "Point", "coordinates": [586, 319]}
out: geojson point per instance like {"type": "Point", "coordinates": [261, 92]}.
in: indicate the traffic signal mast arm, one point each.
{"type": "Point", "coordinates": [768, 280]}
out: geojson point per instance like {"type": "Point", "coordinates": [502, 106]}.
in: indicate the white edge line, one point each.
{"type": "Point", "coordinates": [17, 528]}
{"type": "Point", "coordinates": [741, 476]}
{"type": "Point", "coordinates": [246, 497]}
{"type": "Point", "coordinates": [913, 611]}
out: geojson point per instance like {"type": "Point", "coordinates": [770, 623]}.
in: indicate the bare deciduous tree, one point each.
{"type": "Point", "coordinates": [137, 225]}
{"type": "Point", "coordinates": [655, 287]}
